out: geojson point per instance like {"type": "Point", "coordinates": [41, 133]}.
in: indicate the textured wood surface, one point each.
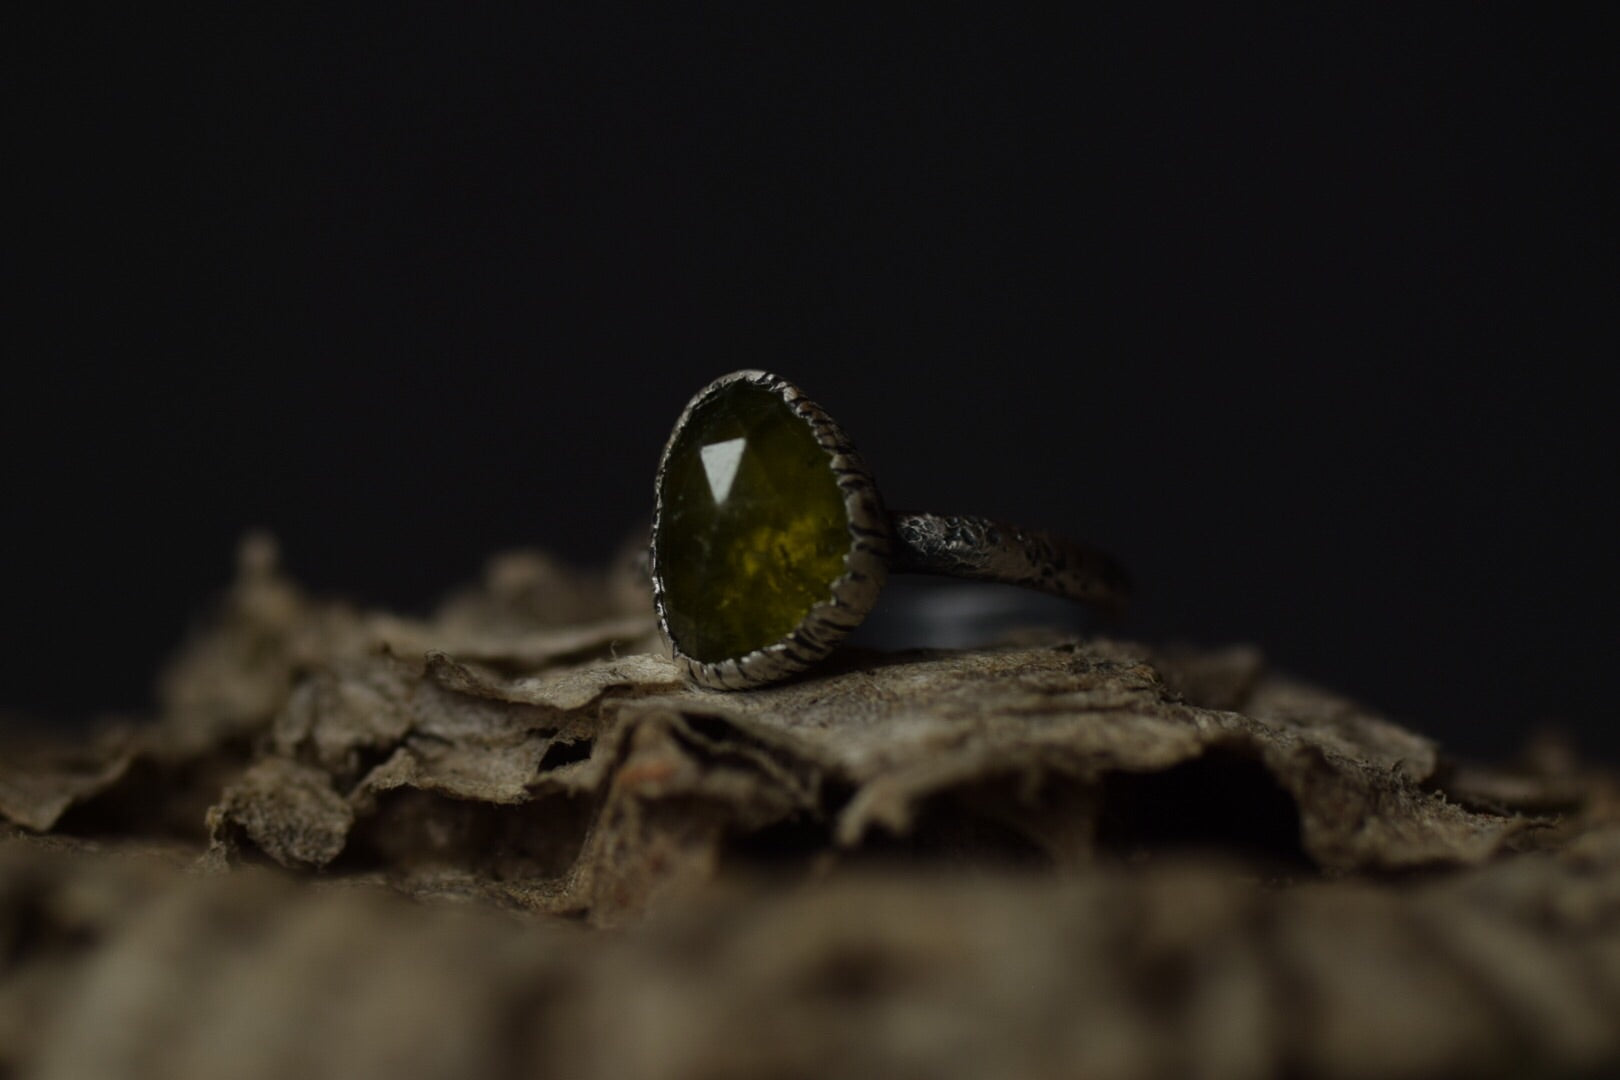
{"type": "Point", "coordinates": [510, 840]}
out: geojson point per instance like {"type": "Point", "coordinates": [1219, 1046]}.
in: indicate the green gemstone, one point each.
{"type": "Point", "coordinates": [752, 530]}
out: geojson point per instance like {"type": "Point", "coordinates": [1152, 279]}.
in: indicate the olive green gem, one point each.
{"type": "Point", "coordinates": [752, 530]}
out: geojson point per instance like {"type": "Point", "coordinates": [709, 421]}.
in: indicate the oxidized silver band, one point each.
{"type": "Point", "coordinates": [963, 546]}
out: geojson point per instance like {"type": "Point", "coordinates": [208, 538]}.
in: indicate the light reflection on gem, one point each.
{"type": "Point", "coordinates": [720, 462]}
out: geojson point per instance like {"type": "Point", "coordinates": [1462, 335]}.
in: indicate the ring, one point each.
{"type": "Point", "coordinates": [770, 542]}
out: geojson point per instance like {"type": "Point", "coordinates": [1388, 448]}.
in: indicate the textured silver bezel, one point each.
{"type": "Point", "coordinates": [852, 595]}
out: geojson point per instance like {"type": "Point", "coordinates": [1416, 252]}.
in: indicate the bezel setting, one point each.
{"type": "Point", "coordinates": [851, 595]}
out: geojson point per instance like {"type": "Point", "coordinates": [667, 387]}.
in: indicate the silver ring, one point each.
{"type": "Point", "coordinates": [771, 543]}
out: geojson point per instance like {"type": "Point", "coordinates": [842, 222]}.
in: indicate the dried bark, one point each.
{"type": "Point", "coordinates": [1069, 857]}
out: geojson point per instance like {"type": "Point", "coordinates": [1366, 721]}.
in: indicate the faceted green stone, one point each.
{"type": "Point", "coordinates": [753, 531]}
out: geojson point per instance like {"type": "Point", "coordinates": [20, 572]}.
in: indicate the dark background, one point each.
{"type": "Point", "coordinates": [1309, 315]}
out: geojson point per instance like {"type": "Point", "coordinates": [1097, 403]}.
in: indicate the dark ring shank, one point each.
{"type": "Point", "coordinates": [957, 545]}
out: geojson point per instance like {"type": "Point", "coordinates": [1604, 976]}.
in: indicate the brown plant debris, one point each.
{"type": "Point", "coordinates": [1069, 858]}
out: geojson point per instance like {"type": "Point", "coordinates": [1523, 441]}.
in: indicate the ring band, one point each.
{"type": "Point", "coordinates": [771, 543]}
{"type": "Point", "coordinates": [956, 545]}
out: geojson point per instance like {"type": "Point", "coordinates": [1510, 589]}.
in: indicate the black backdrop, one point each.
{"type": "Point", "coordinates": [1306, 315]}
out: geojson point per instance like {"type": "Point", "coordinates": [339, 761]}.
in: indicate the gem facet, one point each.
{"type": "Point", "coordinates": [752, 530]}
